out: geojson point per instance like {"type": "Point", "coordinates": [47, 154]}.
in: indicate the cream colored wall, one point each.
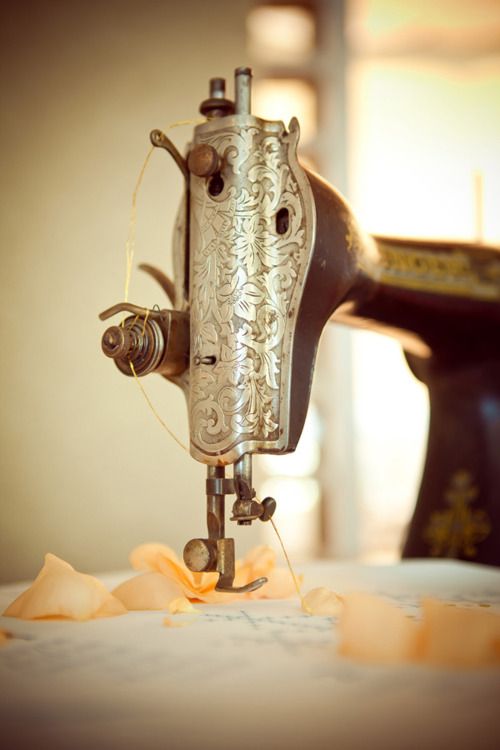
{"type": "Point", "coordinates": [86, 472]}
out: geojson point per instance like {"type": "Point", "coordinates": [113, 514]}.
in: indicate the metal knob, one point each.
{"type": "Point", "coordinates": [203, 160]}
{"type": "Point", "coordinates": [138, 341]}
{"type": "Point", "coordinates": [150, 340]}
{"type": "Point", "coordinates": [200, 555]}
{"type": "Point", "coordinates": [117, 342]}
{"type": "Point", "coordinates": [269, 506]}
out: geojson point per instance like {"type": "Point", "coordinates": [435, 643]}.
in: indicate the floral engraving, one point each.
{"type": "Point", "coordinates": [245, 284]}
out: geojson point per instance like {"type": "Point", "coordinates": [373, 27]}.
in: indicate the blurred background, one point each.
{"type": "Point", "coordinates": [399, 104]}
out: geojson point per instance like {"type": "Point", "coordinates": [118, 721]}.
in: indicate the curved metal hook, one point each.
{"type": "Point", "coordinates": [252, 586]}
{"type": "Point", "coordinates": [127, 307]}
{"type": "Point", "coordinates": [160, 140]}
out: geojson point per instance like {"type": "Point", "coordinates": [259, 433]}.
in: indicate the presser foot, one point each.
{"type": "Point", "coordinates": [217, 552]}
{"type": "Point", "coordinates": [217, 555]}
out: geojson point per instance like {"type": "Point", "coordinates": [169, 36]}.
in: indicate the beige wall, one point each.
{"type": "Point", "coordinates": [86, 472]}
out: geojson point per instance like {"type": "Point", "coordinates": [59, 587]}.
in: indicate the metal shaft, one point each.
{"type": "Point", "coordinates": [215, 506]}
{"type": "Point", "coordinates": [242, 91]}
{"type": "Point", "coordinates": [217, 88]}
{"type": "Point", "coordinates": [243, 469]}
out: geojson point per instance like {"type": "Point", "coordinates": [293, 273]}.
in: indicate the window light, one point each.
{"type": "Point", "coordinates": [281, 34]}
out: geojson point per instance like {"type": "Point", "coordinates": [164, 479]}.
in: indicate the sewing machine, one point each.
{"type": "Point", "coordinates": [265, 254]}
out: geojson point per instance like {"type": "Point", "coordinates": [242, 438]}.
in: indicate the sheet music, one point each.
{"type": "Point", "coordinates": [245, 674]}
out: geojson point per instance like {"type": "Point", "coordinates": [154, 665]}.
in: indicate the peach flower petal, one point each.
{"type": "Point", "coordinates": [279, 585]}
{"type": "Point", "coordinates": [181, 606]}
{"type": "Point", "coordinates": [172, 623]}
{"type": "Point", "coordinates": [201, 586]}
{"type": "Point", "coordinates": [60, 591]}
{"type": "Point", "coordinates": [260, 561]}
{"type": "Point", "coordinates": [448, 635]}
{"type": "Point", "coordinates": [148, 591]}
{"type": "Point", "coordinates": [459, 636]}
{"type": "Point", "coordinates": [322, 601]}
{"type": "Point", "coordinates": [373, 630]}
{"type": "Point", "coordinates": [162, 559]}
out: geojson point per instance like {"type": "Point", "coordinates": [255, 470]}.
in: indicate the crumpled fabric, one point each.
{"type": "Point", "coordinates": [59, 591]}
{"type": "Point", "coordinates": [148, 591]}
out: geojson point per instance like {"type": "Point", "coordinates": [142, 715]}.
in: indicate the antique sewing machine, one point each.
{"type": "Point", "coordinates": [265, 254]}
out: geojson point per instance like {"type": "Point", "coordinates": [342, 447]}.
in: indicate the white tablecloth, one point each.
{"type": "Point", "coordinates": [244, 675]}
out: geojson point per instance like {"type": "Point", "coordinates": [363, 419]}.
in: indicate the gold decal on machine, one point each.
{"type": "Point", "coordinates": [457, 531]}
{"type": "Point", "coordinates": [441, 272]}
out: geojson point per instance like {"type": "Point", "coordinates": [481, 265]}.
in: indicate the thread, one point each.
{"type": "Point", "coordinates": [130, 242]}
{"type": "Point", "coordinates": [144, 322]}
{"type": "Point", "coordinates": [160, 420]}
{"type": "Point", "coordinates": [129, 258]}
{"type": "Point", "coordinates": [290, 568]}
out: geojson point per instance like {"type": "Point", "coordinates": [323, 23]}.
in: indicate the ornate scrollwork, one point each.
{"type": "Point", "coordinates": [245, 283]}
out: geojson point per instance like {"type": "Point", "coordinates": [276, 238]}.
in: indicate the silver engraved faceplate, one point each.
{"type": "Point", "coordinates": [246, 281]}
